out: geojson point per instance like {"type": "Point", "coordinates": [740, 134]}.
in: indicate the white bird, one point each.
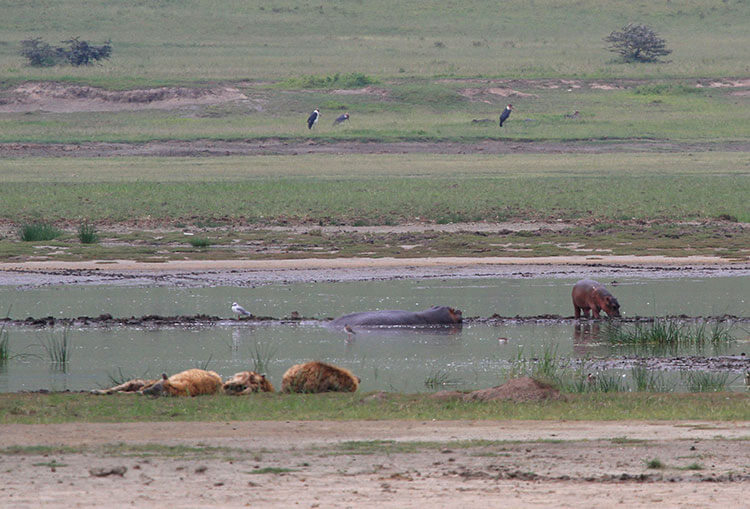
{"type": "Point", "coordinates": [349, 330]}
{"type": "Point", "coordinates": [313, 118]}
{"type": "Point", "coordinates": [236, 308]}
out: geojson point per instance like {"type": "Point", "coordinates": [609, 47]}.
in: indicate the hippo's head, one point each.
{"type": "Point", "coordinates": [611, 306]}
{"type": "Point", "coordinates": [456, 315]}
{"type": "Point", "coordinates": [157, 389]}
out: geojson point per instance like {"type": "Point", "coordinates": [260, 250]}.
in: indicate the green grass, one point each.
{"type": "Point", "coordinates": [200, 242]}
{"type": "Point", "coordinates": [39, 408]}
{"type": "Point", "coordinates": [654, 463]}
{"type": "Point", "coordinates": [670, 335]}
{"type": "Point", "coordinates": [36, 232]}
{"type": "Point", "coordinates": [58, 347]}
{"type": "Point", "coordinates": [331, 190]}
{"type": "Point", "coordinates": [704, 381]}
{"type": "Point", "coordinates": [87, 233]}
{"type": "Point", "coordinates": [192, 41]}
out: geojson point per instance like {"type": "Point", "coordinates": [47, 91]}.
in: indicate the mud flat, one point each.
{"type": "Point", "coordinates": [200, 273]}
{"type": "Point", "coordinates": [380, 463]}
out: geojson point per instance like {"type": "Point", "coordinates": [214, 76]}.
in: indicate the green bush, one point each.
{"type": "Point", "coordinates": [199, 242]}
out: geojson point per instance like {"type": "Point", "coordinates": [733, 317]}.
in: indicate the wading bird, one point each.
{"type": "Point", "coordinates": [341, 118]}
{"type": "Point", "coordinates": [236, 308]}
{"type": "Point", "coordinates": [313, 118]}
{"type": "Point", "coordinates": [505, 114]}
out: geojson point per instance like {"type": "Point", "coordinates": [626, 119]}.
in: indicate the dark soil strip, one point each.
{"type": "Point", "coordinates": [500, 472]}
{"type": "Point", "coordinates": [274, 146]}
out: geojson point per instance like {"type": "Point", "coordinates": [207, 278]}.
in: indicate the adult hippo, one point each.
{"type": "Point", "coordinates": [591, 295]}
{"type": "Point", "coordinates": [436, 315]}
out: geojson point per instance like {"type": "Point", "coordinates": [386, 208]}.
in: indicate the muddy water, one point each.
{"type": "Point", "coordinates": [476, 297]}
{"type": "Point", "coordinates": [394, 360]}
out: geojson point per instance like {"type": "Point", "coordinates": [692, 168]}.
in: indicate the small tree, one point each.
{"type": "Point", "coordinates": [83, 53]}
{"type": "Point", "coordinates": [41, 54]}
{"type": "Point", "coordinates": [637, 43]}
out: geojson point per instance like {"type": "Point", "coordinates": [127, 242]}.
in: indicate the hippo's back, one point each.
{"type": "Point", "coordinates": [375, 318]}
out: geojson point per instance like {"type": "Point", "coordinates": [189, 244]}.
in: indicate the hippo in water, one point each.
{"type": "Point", "coordinates": [436, 315]}
{"type": "Point", "coordinates": [589, 294]}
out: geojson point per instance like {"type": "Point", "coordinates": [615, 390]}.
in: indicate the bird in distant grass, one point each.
{"type": "Point", "coordinates": [505, 114]}
{"type": "Point", "coordinates": [349, 330]}
{"type": "Point", "coordinates": [313, 118]}
{"type": "Point", "coordinates": [341, 118]}
{"type": "Point", "coordinates": [236, 308]}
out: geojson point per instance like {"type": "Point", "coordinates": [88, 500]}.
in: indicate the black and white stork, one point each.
{"type": "Point", "coordinates": [505, 114]}
{"type": "Point", "coordinates": [313, 118]}
{"type": "Point", "coordinates": [341, 118]}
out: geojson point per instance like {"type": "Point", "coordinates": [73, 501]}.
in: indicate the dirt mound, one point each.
{"type": "Point", "coordinates": [489, 95]}
{"type": "Point", "coordinates": [517, 390]}
{"type": "Point", "coordinates": [379, 92]}
{"type": "Point", "coordinates": [62, 98]}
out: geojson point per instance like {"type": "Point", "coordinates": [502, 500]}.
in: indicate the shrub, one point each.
{"type": "Point", "coordinates": [78, 52]}
{"type": "Point", "coordinates": [338, 80]}
{"type": "Point", "coordinates": [637, 43]}
{"type": "Point", "coordinates": [41, 54]}
{"type": "Point", "coordinates": [83, 53]}
{"type": "Point", "coordinates": [38, 231]}
{"type": "Point", "coordinates": [87, 233]}
{"type": "Point", "coordinates": [199, 242]}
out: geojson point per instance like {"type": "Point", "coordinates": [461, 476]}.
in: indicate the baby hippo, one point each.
{"type": "Point", "coordinates": [588, 294]}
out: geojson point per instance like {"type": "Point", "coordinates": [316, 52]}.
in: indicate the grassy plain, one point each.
{"type": "Point", "coordinates": [378, 189]}
{"type": "Point", "coordinates": [166, 42]}
{"type": "Point", "coordinates": [57, 408]}
{"type": "Point", "coordinates": [420, 110]}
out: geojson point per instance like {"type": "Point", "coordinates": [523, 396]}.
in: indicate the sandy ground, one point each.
{"type": "Point", "coordinates": [337, 464]}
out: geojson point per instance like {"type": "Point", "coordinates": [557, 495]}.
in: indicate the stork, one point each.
{"type": "Point", "coordinates": [313, 118]}
{"type": "Point", "coordinates": [341, 118]}
{"type": "Point", "coordinates": [505, 114]}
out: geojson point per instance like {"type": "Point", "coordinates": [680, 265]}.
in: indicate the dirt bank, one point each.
{"type": "Point", "coordinates": [175, 148]}
{"type": "Point", "coordinates": [381, 463]}
{"type": "Point", "coordinates": [253, 272]}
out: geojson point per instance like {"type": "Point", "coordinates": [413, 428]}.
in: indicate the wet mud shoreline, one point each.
{"type": "Point", "coordinates": [107, 320]}
{"type": "Point", "coordinates": [233, 273]}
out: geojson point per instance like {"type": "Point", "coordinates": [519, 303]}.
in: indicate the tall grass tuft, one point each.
{"type": "Point", "coordinates": [87, 233]}
{"type": "Point", "coordinates": [261, 355]}
{"type": "Point", "coordinates": [204, 365]}
{"type": "Point", "coordinates": [4, 345]}
{"type": "Point", "coordinates": [58, 347]}
{"type": "Point", "coordinates": [38, 231]}
{"type": "Point", "coordinates": [439, 378]}
{"type": "Point", "coordinates": [645, 380]}
{"type": "Point", "coordinates": [703, 381]}
{"type": "Point", "coordinates": [669, 335]}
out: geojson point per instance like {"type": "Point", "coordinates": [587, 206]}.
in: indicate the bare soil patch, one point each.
{"type": "Point", "coordinates": [64, 98]}
{"type": "Point", "coordinates": [381, 463]}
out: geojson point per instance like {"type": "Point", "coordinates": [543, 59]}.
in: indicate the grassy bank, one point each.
{"type": "Point", "coordinates": [193, 41]}
{"type": "Point", "coordinates": [377, 189]}
{"type": "Point", "coordinates": [56, 408]}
